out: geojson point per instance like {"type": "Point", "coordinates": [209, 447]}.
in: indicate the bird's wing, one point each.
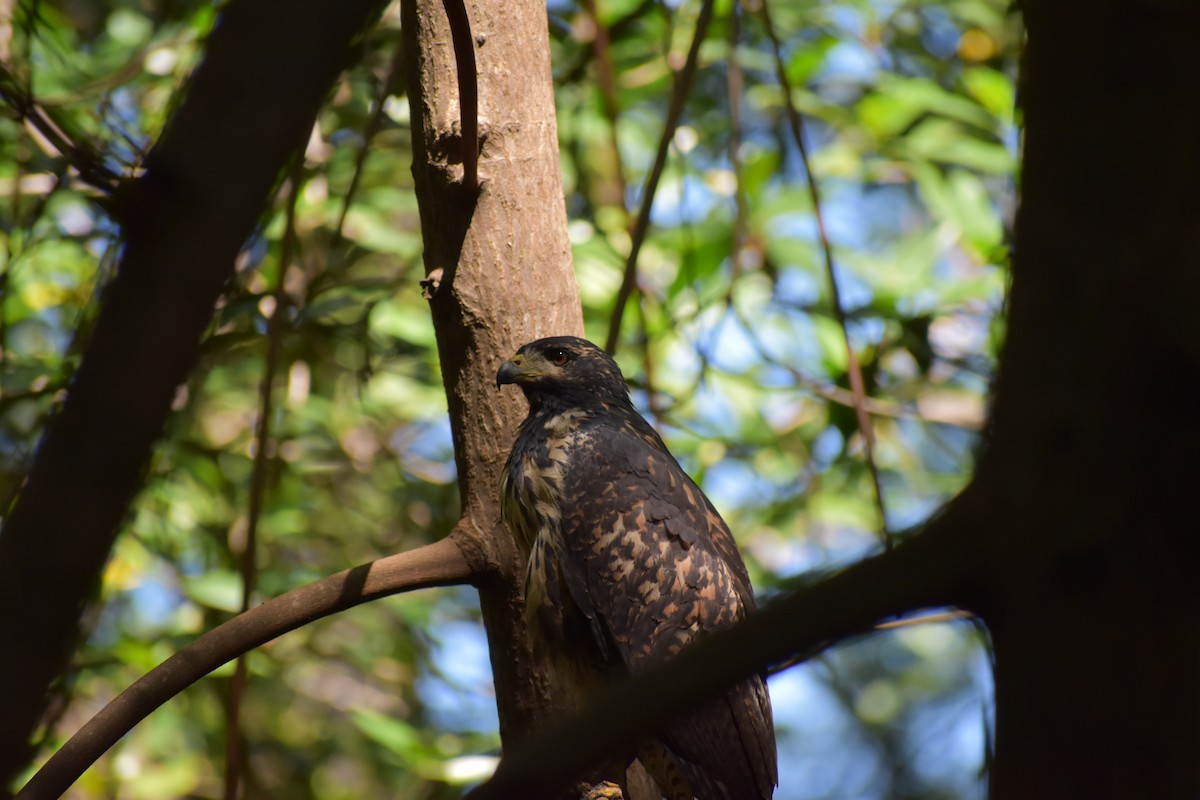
{"type": "Point", "coordinates": [654, 567]}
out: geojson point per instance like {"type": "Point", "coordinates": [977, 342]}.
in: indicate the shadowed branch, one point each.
{"type": "Point", "coordinates": [929, 570]}
{"type": "Point", "coordinates": [247, 108]}
{"type": "Point", "coordinates": [438, 564]}
{"type": "Point", "coordinates": [468, 90]}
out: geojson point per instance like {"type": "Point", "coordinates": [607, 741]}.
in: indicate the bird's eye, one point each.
{"type": "Point", "coordinates": [557, 356]}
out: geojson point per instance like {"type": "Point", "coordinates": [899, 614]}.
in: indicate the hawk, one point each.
{"type": "Point", "coordinates": [628, 563]}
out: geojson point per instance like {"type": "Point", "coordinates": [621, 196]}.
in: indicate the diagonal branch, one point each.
{"type": "Point", "coordinates": [246, 109]}
{"type": "Point", "coordinates": [641, 225]}
{"type": "Point", "coordinates": [438, 564]}
{"type": "Point", "coordinates": [931, 569]}
{"type": "Point", "coordinates": [853, 369]}
{"type": "Point", "coordinates": [387, 88]}
{"type": "Point", "coordinates": [77, 151]}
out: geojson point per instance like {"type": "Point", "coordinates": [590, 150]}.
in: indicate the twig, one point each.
{"type": "Point", "coordinates": [734, 88]}
{"type": "Point", "coordinates": [78, 153]}
{"type": "Point", "coordinates": [890, 625]}
{"type": "Point", "coordinates": [648, 369]}
{"type": "Point", "coordinates": [575, 72]}
{"type": "Point", "coordinates": [374, 122]}
{"type": "Point", "coordinates": [836, 394]}
{"type": "Point", "coordinates": [205, 185]}
{"type": "Point", "coordinates": [925, 619]}
{"type": "Point", "coordinates": [932, 569]}
{"type": "Point", "coordinates": [438, 564]}
{"type": "Point", "coordinates": [258, 480]}
{"type": "Point", "coordinates": [606, 78]}
{"type": "Point", "coordinates": [674, 111]}
{"type": "Point", "coordinates": [468, 90]}
{"type": "Point", "coordinates": [852, 366]}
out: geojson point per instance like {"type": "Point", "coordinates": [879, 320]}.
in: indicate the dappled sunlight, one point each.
{"type": "Point", "coordinates": [731, 339]}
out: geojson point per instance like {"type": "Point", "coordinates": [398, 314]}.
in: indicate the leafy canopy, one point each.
{"type": "Point", "coordinates": [731, 339]}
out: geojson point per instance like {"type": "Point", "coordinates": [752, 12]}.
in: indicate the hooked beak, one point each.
{"type": "Point", "coordinates": [510, 371]}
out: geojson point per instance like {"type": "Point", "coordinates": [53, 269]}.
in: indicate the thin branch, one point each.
{"type": "Point", "coordinates": [258, 478]}
{"type": "Point", "coordinates": [852, 367]}
{"type": "Point", "coordinates": [468, 90]}
{"type": "Point", "coordinates": [374, 123]}
{"type": "Point", "coordinates": [734, 85]}
{"type": "Point", "coordinates": [575, 72]}
{"type": "Point", "coordinates": [891, 625]}
{"type": "Point", "coordinates": [440, 563]}
{"type": "Point", "coordinates": [926, 619]}
{"type": "Point", "coordinates": [653, 403]}
{"type": "Point", "coordinates": [932, 569]}
{"type": "Point", "coordinates": [843, 397]}
{"type": "Point", "coordinates": [606, 78]}
{"type": "Point", "coordinates": [683, 85]}
{"type": "Point", "coordinates": [246, 109]}
{"type": "Point", "coordinates": [43, 122]}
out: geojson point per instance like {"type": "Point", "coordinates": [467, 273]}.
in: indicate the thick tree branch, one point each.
{"type": "Point", "coordinates": [942, 566]}
{"type": "Point", "coordinates": [438, 564]}
{"type": "Point", "coordinates": [248, 107]}
{"type": "Point", "coordinates": [1097, 667]}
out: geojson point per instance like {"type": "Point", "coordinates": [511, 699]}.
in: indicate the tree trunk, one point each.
{"type": "Point", "coordinates": [499, 275]}
{"type": "Point", "coordinates": [1093, 467]}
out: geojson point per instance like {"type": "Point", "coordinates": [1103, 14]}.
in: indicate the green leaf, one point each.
{"type": "Point", "coordinates": [389, 318]}
{"type": "Point", "coordinates": [900, 102]}
{"type": "Point", "coordinates": [219, 589]}
{"type": "Point", "coordinates": [947, 142]}
{"type": "Point", "coordinates": [993, 90]}
{"type": "Point", "coordinates": [394, 734]}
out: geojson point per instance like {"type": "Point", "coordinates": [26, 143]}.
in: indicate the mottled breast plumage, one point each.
{"type": "Point", "coordinates": [531, 501]}
{"type": "Point", "coordinates": [628, 562]}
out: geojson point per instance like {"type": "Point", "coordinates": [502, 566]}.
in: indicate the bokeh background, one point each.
{"type": "Point", "coordinates": [731, 341]}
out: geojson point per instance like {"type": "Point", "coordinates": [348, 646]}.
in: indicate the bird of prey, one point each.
{"type": "Point", "coordinates": [628, 564]}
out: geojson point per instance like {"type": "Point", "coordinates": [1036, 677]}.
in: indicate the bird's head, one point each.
{"type": "Point", "coordinates": [566, 369]}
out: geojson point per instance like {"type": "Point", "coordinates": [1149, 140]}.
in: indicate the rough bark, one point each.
{"type": "Point", "coordinates": [248, 108]}
{"type": "Point", "coordinates": [499, 275]}
{"type": "Point", "coordinates": [1092, 471]}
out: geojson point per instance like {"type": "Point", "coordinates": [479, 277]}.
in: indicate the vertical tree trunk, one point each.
{"type": "Point", "coordinates": [500, 274]}
{"type": "Point", "coordinates": [1094, 464]}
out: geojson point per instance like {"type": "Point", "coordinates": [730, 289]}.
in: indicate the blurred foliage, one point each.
{"type": "Point", "coordinates": [731, 343]}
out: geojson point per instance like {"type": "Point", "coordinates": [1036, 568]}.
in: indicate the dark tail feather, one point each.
{"type": "Point", "coordinates": [726, 748]}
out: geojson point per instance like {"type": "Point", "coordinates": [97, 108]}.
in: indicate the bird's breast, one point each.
{"type": "Point", "coordinates": [531, 491]}
{"type": "Point", "coordinates": [531, 500]}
